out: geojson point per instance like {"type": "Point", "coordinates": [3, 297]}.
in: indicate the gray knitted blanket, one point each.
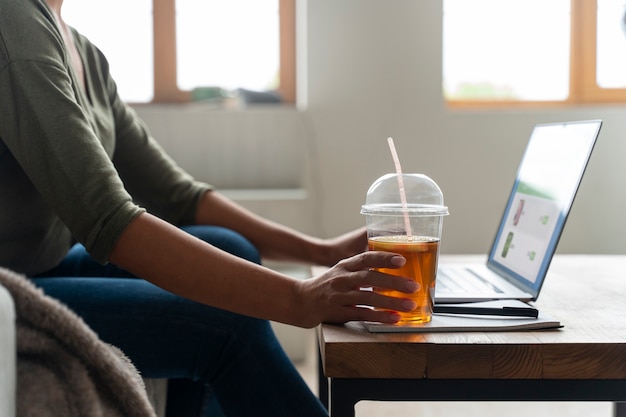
{"type": "Point", "coordinates": [63, 368]}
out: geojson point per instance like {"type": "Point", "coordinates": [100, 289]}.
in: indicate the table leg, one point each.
{"type": "Point", "coordinates": [343, 398]}
{"type": "Point", "coordinates": [322, 382]}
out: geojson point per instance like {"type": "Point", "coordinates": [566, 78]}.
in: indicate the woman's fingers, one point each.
{"type": "Point", "coordinates": [344, 292]}
{"type": "Point", "coordinates": [364, 276]}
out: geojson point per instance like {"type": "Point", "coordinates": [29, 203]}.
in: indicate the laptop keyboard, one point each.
{"type": "Point", "coordinates": [459, 281]}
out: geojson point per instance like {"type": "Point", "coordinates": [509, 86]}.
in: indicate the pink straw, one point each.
{"type": "Point", "coordinates": [405, 207]}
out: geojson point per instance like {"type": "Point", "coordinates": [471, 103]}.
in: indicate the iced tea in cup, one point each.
{"type": "Point", "coordinates": [410, 226]}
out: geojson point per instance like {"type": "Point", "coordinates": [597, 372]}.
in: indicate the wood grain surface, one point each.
{"type": "Point", "coordinates": [587, 293]}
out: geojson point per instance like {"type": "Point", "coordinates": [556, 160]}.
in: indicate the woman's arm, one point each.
{"type": "Point", "coordinates": [276, 241]}
{"type": "Point", "coordinates": [180, 263]}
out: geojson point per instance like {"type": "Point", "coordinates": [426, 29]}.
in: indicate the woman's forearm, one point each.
{"type": "Point", "coordinates": [182, 264]}
{"type": "Point", "coordinates": [273, 240]}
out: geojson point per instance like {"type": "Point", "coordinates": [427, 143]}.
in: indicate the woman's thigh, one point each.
{"type": "Point", "coordinates": [167, 336]}
{"type": "Point", "coordinates": [78, 263]}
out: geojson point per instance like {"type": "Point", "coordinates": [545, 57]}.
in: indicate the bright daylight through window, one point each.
{"type": "Point", "coordinates": [512, 50]}
{"type": "Point", "coordinates": [228, 44]}
{"type": "Point", "coordinates": [611, 44]}
{"type": "Point", "coordinates": [534, 51]}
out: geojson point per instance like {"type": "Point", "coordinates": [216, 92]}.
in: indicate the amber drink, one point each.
{"type": "Point", "coordinates": [421, 255]}
{"type": "Point", "coordinates": [405, 216]}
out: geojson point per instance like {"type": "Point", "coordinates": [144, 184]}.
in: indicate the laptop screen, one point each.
{"type": "Point", "coordinates": [543, 192]}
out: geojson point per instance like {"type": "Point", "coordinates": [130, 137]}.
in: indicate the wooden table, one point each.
{"type": "Point", "coordinates": [583, 361]}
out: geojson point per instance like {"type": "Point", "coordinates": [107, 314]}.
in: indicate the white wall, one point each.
{"type": "Point", "coordinates": [372, 69]}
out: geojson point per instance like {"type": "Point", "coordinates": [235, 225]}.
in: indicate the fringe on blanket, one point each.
{"type": "Point", "coordinates": [63, 368]}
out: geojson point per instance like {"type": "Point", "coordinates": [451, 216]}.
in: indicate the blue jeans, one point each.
{"type": "Point", "coordinates": [217, 362]}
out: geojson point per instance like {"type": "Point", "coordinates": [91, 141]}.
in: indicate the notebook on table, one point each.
{"type": "Point", "coordinates": [472, 323]}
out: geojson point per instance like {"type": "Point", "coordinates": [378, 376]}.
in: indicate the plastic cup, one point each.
{"type": "Point", "coordinates": [410, 226]}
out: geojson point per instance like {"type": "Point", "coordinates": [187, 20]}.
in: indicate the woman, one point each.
{"type": "Point", "coordinates": [77, 165]}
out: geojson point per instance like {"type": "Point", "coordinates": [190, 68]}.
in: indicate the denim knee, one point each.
{"type": "Point", "coordinates": [227, 240]}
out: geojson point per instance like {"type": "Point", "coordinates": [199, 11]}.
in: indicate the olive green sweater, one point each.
{"type": "Point", "coordinates": [74, 164]}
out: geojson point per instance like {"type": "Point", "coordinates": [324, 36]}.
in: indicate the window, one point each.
{"type": "Point", "coordinates": [160, 50]}
{"type": "Point", "coordinates": [534, 51]}
{"type": "Point", "coordinates": [610, 45]}
{"type": "Point", "coordinates": [127, 44]}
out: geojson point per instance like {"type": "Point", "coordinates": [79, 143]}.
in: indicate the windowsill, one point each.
{"type": "Point", "coordinates": [265, 194]}
{"type": "Point", "coordinates": [213, 106]}
{"type": "Point", "coordinates": [526, 105]}
{"type": "Point", "coordinates": [220, 99]}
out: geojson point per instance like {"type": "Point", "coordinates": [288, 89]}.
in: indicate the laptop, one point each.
{"type": "Point", "coordinates": [545, 185]}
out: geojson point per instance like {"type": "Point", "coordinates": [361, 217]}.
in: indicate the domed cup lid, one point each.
{"type": "Point", "coordinates": [423, 197]}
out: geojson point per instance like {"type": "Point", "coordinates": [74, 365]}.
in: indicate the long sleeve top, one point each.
{"type": "Point", "coordinates": [75, 165]}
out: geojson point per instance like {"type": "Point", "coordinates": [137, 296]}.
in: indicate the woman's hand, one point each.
{"type": "Point", "coordinates": [338, 295]}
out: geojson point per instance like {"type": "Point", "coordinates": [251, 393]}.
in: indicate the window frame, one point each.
{"type": "Point", "coordinates": [165, 73]}
{"type": "Point", "coordinates": [583, 88]}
